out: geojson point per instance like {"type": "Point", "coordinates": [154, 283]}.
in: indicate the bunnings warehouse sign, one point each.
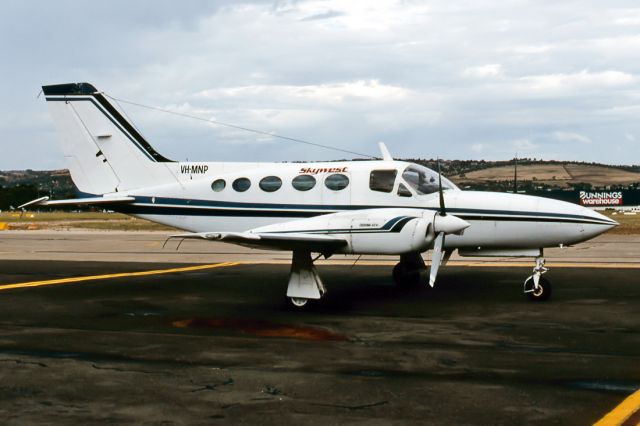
{"type": "Point", "coordinates": [589, 198]}
{"type": "Point", "coordinates": [603, 199]}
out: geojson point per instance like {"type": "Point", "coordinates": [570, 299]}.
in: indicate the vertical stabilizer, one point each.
{"type": "Point", "coordinates": [104, 151]}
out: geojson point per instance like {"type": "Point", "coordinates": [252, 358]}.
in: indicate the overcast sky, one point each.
{"type": "Point", "coordinates": [455, 79]}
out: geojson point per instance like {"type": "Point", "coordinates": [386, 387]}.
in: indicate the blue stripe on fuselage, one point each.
{"type": "Point", "coordinates": [306, 210]}
{"type": "Point", "coordinates": [177, 206]}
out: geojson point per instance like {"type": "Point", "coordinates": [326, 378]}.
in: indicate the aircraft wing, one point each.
{"type": "Point", "coordinates": [273, 240]}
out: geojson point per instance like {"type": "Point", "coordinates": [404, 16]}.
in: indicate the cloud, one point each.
{"type": "Point", "coordinates": [369, 90]}
{"type": "Point", "coordinates": [489, 70]}
{"type": "Point", "coordinates": [477, 147]}
{"type": "Point", "coordinates": [324, 15]}
{"type": "Point", "coordinates": [626, 17]}
{"type": "Point", "coordinates": [583, 80]}
{"type": "Point", "coordinates": [449, 78]}
{"type": "Point", "coordinates": [570, 137]}
{"type": "Point", "coordinates": [524, 145]}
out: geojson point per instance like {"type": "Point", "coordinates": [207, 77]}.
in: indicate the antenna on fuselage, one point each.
{"type": "Point", "coordinates": [386, 156]}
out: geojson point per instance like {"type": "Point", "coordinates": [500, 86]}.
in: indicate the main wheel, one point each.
{"type": "Point", "coordinates": [540, 294]}
{"type": "Point", "coordinates": [405, 277]}
{"type": "Point", "coordinates": [298, 302]}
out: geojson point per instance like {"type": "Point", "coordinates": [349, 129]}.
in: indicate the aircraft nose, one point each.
{"type": "Point", "coordinates": [610, 223]}
{"type": "Point", "coordinates": [599, 223]}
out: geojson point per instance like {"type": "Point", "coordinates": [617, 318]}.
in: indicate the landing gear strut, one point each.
{"type": "Point", "coordinates": [304, 282]}
{"type": "Point", "coordinates": [410, 271]}
{"type": "Point", "coordinates": [536, 287]}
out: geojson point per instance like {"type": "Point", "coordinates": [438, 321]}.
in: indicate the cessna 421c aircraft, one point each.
{"type": "Point", "coordinates": [383, 207]}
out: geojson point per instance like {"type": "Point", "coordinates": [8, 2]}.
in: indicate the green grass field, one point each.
{"type": "Point", "coordinates": [629, 223]}
{"type": "Point", "coordinates": [81, 220]}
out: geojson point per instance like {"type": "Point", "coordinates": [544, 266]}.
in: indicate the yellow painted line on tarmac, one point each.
{"type": "Point", "coordinates": [622, 412]}
{"type": "Point", "coordinates": [118, 275]}
{"type": "Point", "coordinates": [602, 265]}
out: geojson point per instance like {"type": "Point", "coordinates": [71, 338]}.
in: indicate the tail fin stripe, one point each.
{"type": "Point", "coordinates": [116, 118]}
{"type": "Point", "coordinates": [132, 131]}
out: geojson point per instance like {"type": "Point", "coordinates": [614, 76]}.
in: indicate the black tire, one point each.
{"type": "Point", "coordinates": [405, 277]}
{"type": "Point", "coordinates": [294, 304]}
{"type": "Point", "coordinates": [542, 293]}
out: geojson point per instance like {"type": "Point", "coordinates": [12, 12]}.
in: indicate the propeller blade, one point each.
{"type": "Point", "coordinates": [436, 258]}
{"type": "Point", "coordinates": [443, 211]}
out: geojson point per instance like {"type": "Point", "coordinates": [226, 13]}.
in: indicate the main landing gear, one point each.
{"type": "Point", "coordinates": [410, 271]}
{"type": "Point", "coordinates": [305, 284]}
{"type": "Point", "coordinates": [537, 287]}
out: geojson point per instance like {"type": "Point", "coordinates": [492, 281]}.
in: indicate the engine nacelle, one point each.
{"type": "Point", "coordinates": [371, 231]}
{"type": "Point", "coordinates": [408, 234]}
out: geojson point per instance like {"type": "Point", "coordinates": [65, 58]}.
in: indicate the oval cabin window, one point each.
{"type": "Point", "coordinates": [218, 185]}
{"type": "Point", "coordinates": [270, 183]}
{"type": "Point", "coordinates": [336, 182]}
{"type": "Point", "coordinates": [241, 184]}
{"type": "Point", "coordinates": [303, 182]}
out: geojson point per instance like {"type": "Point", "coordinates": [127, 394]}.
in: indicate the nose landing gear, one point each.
{"type": "Point", "coordinates": [536, 287]}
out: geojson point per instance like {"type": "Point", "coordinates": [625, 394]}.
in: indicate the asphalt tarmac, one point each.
{"type": "Point", "coordinates": [218, 344]}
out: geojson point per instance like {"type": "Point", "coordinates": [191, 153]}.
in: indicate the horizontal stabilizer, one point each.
{"type": "Point", "coordinates": [44, 201]}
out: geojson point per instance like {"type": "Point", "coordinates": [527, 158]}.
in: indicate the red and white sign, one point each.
{"type": "Point", "coordinates": [588, 198]}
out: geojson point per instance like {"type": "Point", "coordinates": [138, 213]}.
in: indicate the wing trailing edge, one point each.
{"type": "Point", "coordinates": [280, 241]}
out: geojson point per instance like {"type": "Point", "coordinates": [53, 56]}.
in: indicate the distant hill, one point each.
{"type": "Point", "coordinates": [54, 180]}
{"type": "Point", "coordinates": [553, 175]}
{"type": "Point", "coordinates": [19, 186]}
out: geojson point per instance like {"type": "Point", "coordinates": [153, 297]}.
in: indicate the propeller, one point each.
{"type": "Point", "coordinates": [443, 224]}
{"type": "Point", "coordinates": [443, 211]}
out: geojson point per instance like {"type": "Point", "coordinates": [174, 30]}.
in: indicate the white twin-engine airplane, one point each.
{"type": "Point", "coordinates": [383, 207]}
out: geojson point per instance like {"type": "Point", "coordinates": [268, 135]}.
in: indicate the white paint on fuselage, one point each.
{"type": "Point", "coordinates": [501, 232]}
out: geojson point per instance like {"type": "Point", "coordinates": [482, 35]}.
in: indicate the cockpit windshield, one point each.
{"type": "Point", "coordinates": [424, 180]}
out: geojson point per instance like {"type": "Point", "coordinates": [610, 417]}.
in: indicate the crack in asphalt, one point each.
{"type": "Point", "coordinates": [21, 362]}
{"type": "Point", "coordinates": [211, 387]}
{"type": "Point", "coordinates": [351, 407]}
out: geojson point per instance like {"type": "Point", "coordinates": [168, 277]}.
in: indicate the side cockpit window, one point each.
{"type": "Point", "coordinates": [382, 180]}
{"type": "Point", "coordinates": [424, 180]}
{"type": "Point", "coordinates": [403, 191]}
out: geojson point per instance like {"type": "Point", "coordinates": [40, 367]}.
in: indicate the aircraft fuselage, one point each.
{"type": "Point", "coordinates": [499, 220]}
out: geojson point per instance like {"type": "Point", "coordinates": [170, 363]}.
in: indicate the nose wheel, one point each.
{"type": "Point", "coordinates": [536, 287]}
